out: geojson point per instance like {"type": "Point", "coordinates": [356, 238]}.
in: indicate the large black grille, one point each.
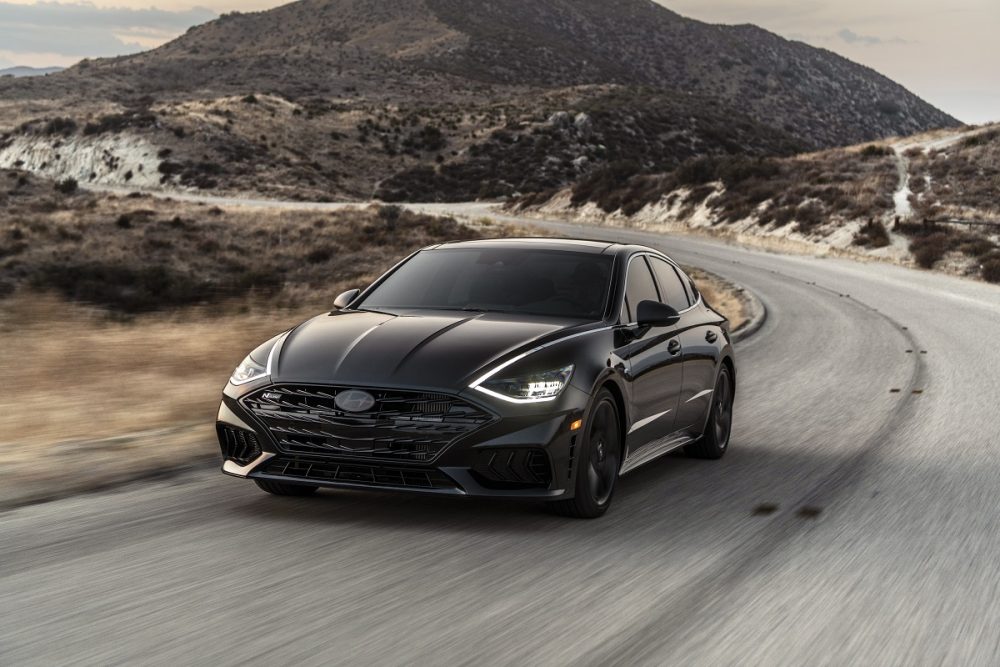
{"type": "Point", "coordinates": [237, 444]}
{"type": "Point", "coordinates": [352, 472]}
{"type": "Point", "coordinates": [401, 426]}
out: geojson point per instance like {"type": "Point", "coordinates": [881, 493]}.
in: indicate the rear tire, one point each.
{"type": "Point", "coordinates": [283, 489]}
{"type": "Point", "coordinates": [715, 441]}
{"type": "Point", "coordinates": [598, 462]}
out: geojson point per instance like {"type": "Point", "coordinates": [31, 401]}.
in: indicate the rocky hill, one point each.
{"type": "Point", "coordinates": [464, 81]}
{"type": "Point", "coordinates": [326, 46]}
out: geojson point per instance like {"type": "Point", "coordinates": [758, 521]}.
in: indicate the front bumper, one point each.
{"type": "Point", "coordinates": [527, 452]}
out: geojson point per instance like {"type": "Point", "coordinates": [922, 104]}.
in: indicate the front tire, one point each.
{"type": "Point", "coordinates": [598, 462]}
{"type": "Point", "coordinates": [715, 441]}
{"type": "Point", "coordinates": [283, 489]}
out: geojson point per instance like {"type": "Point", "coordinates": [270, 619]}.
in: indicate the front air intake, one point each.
{"type": "Point", "coordinates": [238, 444]}
{"type": "Point", "coordinates": [513, 469]}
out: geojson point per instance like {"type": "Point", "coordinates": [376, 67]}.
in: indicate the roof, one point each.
{"type": "Point", "coordinates": [596, 247]}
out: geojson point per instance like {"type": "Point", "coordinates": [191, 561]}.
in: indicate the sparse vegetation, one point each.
{"type": "Point", "coordinates": [960, 181]}
{"type": "Point", "coordinates": [809, 189]}
{"type": "Point", "coordinates": [131, 256]}
{"type": "Point", "coordinates": [118, 122]}
{"type": "Point", "coordinates": [930, 243]}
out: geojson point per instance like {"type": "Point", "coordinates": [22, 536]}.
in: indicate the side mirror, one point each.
{"type": "Point", "coordinates": [346, 298]}
{"type": "Point", "coordinates": [656, 314]}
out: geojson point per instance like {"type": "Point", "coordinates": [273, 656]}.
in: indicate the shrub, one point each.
{"type": "Point", "coordinates": [876, 150]}
{"type": "Point", "coordinates": [390, 215]}
{"type": "Point", "coordinates": [872, 235]}
{"type": "Point", "coordinates": [603, 184]}
{"type": "Point", "coordinates": [929, 249]}
{"type": "Point", "coordinates": [809, 217]}
{"type": "Point", "coordinates": [68, 186]}
{"type": "Point", "coordinates": [977, 247]}
{"type": "Point", "coordinates": [981, 139]}
{"type": "Point", "coordinates": [991, 269]}
{"type": "Point", "coordinates": [117, 122]}
{"type": "Point", "coordinates": [60, 126]}
{"type": "Point", "coordinates": [168, 168]}
{"type": "Point", "coordinates": [319, 255]}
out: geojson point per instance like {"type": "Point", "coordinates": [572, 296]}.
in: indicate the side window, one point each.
{"type": "Point", "coordinates": [671, 287]}
{"type": "Point", "coordinates": [693, 291]}
{"type": "Point", "coordinates": [638, 287]}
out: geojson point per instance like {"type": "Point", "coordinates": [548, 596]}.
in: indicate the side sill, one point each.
{"type": "Point", "coordinates": [655, 450]}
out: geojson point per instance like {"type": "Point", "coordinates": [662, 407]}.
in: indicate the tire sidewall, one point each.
{"type": "Point", "coordinates": [582, 492]}
{"type": "Point", "coordinates": [710, 436]}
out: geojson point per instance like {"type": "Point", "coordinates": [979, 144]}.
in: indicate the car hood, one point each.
{"type": "Point", "coordinates": [442, 350]}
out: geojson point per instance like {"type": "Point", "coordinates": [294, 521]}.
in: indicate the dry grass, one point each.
{"type": "Point", "coordinates": [80, 375]}
{"type": "Point", "coordinates": [722, 295]}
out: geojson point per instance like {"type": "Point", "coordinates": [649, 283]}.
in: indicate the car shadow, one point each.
{"type": "Point", "coordinates": [342, 507]}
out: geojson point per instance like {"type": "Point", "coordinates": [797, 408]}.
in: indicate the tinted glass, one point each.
{"type": "Point", "coordinates": [537, 282]}
{"type": "Point", "coordinates": [672, 289]}
{"type": "Point", "coordinates": [639, 287]}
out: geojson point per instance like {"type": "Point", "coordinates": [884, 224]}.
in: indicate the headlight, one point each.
{"type": "Point", "coordinates": [529, 388]}
{"type": "Point", "coordinates": [248, 371]}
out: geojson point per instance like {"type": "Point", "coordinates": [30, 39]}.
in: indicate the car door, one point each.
{"type": "Point", "coordinates": [654, 360]}
{"type": "Point", "coordinates": [699, 339]}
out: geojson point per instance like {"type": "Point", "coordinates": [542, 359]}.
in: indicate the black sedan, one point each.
{"type": "Point", "coordinates": [521, 368]}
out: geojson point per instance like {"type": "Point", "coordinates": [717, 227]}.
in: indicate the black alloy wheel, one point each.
{"type": "Point", "coordinates": [715, 441]}
{"type": "Point", "coordinates": [599, 462]}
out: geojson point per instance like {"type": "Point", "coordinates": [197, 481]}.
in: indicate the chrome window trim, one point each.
{"type": "Point", "coordinates": [646, 253]}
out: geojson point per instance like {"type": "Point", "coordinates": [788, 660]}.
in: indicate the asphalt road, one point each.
{"type": "Point", "coordinates": [849, 524]}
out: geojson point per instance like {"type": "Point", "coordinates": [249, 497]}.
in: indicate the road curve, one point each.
{"type": "Point", "coordinates": [854, 521]}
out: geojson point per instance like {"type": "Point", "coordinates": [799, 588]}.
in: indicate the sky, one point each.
{"type": "Point", "coordinates": [946, 52]}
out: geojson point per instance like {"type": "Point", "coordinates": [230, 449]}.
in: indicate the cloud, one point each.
{"type": "Point", "coordinates": [852, 37]}
{"type": "Point", "coordinates": [849, 36]}
{"type": "Point", "coordinates": [84, 30]}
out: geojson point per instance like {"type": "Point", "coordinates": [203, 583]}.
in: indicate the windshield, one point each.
{"type": "Point", "coordinates": [536, 282]}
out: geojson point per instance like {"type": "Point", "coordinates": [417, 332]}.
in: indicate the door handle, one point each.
{"type": "Point", "coordinates": [711, 337]}
{"type": "Point", "coordinates": [674, 347]}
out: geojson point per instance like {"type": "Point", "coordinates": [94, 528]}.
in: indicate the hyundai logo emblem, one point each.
{"type": "Point", "coordinates": [354, 401]}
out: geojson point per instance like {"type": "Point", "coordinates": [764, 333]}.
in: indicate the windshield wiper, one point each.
{"type": "Point", "coordinates": [474, 309]}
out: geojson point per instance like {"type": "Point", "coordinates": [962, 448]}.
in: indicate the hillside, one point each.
{"type": "Point", "coordinates": [902, 200]}
{"type": "Point", "coordinates": [394, 47]}
{"type": "Point", "coordinates": [446, 99]}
